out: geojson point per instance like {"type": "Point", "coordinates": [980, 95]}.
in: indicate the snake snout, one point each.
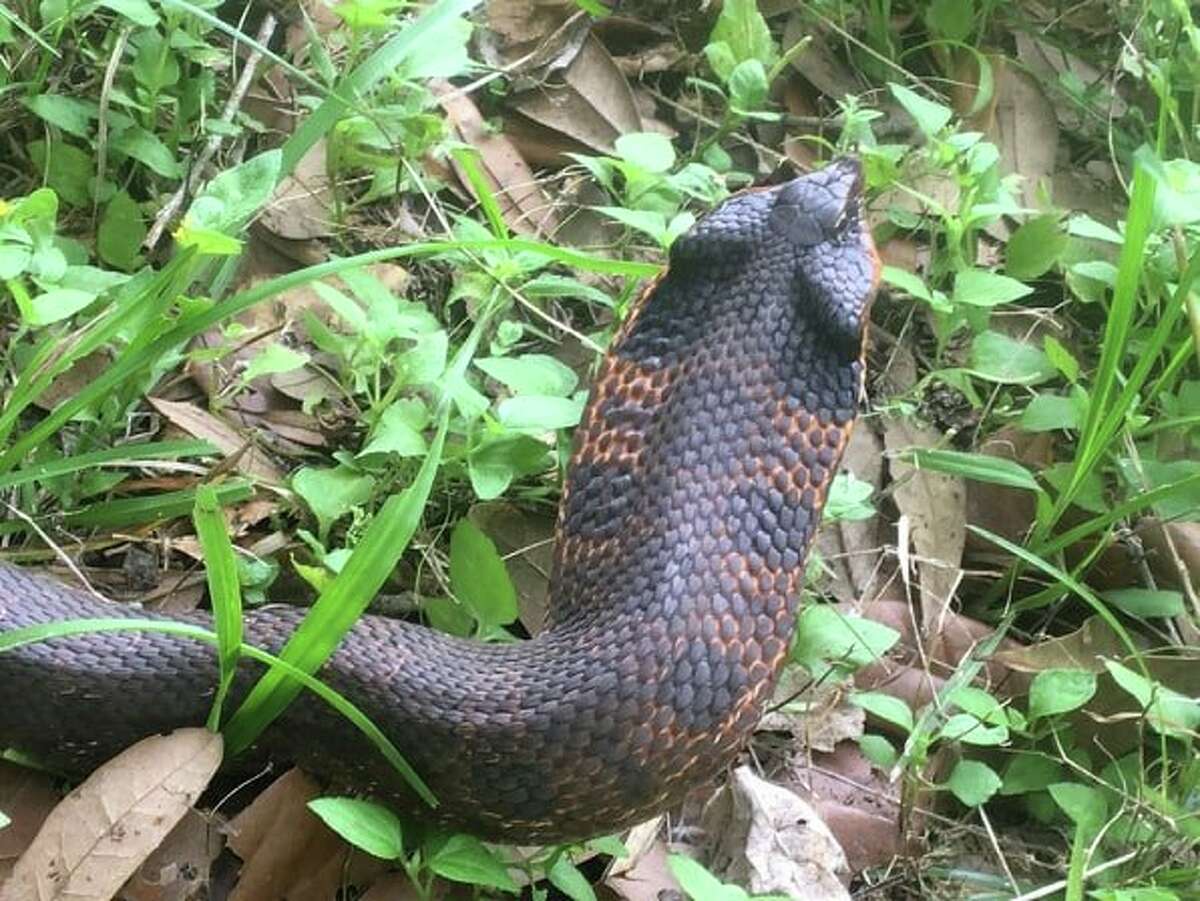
{"type": "Point", "coordinates": [820, 207]}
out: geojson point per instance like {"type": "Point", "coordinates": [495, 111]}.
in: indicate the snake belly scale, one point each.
{"type": "Point", "coordinates": [700, 469]}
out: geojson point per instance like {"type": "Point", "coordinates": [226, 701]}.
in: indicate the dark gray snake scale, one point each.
{"type": "Point", "coordinates": [699, 473]}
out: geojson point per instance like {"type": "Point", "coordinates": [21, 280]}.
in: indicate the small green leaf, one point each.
{"type": "Point", "coordinates": [1145, 602]}
{"type": "Point", "coordinates": [878, 750]}
{"type": "Point", "coordinates": [1059, 691]}
{"type": "Point", "coordinates": [981, 288]}
{"type": "Point", "coordinates": [464, 858]}
{"type": "Point", "coordinates": [229, 201]}
{"type": "Point", "coordinates": [849, 498]}
{"type": "Point", "coordinates": [742, 27]}
{"type": "Point", "coordinates": [479, 578]}
{"type": "Point", "coordinates": [332, 493]}
{"type": "Point", "coordinates": [828, 638]}
{"type": "Point", "coordinates": [973, 782]}
{"type": "Point", "coordinates": [930, 117]}
{"type": "Point", "coordinates": [748, 86]}
{"type": "Point", "coordinates": [885, 707]}
{"type": "Point", "coordinates": [1083, 804]}
{"type": "Point", "coordinates": [272, 360]}
{"type": "Point", "coordinates": [147, 148]}
{"type": "Point", "coordinates": [972, 731]}
{"type": "Point", "coordinates": [4, 820]}
{"type": "Point", "coordinates": [1061, 358]}
{"type": "Point", "coordinates": [565, 877]}
{"type": "Point", "coordinates": [649, 151]}
{"type": "Point", "coordinates": [951, 19]}
{"type": "Point", "coordinates": [1035, 247]}
{"type": "Point", "coordinates": [699, 884]}
{"type": "Point", "coordinates": [908, 282]}
{"type": "Point", "coordinates": [364, 824]}
{"type": "Point", "coordinates": [720, 59]}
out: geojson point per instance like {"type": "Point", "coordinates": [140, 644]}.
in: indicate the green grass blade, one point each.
{"type": "Point", "coordinates": [341, 604]}
{"type": "Point", "coordinates": [220, 566]}
{"type": "Point", "coordinates": [115, 456]}
{"type": "Point", "coordinates": [15, 638]}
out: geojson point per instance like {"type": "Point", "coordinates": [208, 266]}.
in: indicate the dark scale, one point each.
{"type": "Point", "coordinates": [691, 501]}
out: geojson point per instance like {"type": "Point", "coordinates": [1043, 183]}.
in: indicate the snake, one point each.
{"type": "Point", "coordinates": [699, 471]}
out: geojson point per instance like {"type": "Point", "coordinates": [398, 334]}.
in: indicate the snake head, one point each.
{"type": "Point", "coordinates": [810, 230]}
{"type": "Point", "coordinates": [837, 269]}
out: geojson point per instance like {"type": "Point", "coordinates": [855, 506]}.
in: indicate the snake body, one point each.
{"type": "Point", "coordinates": [699, 473]}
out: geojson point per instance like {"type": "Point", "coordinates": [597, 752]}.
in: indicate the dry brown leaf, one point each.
{"type": "Point", "coordinates": [301, 207]}
{"type": "Point", "coordinates": [594, 106]}
{"type": "Point", "coordinates": [287, 851]}
{"type": "Point", "coordinates": [647, 878]}
{"type": "Point", "coordinates": [26, 797]}
{"type": "Point", "coordinates": [526, 208]}
{"type": "Point", "coordinates": [105, 829]}
{"type": "Point", "coordinates": [198, 423]}
{"type": "Point", "coordinates": [857, 802]}
{"type": "Point", "coordinates": [817, 62]}
{"type": "Point", "coordinates": [770, 840]}
{"type": "Point", "coordinates": [817, 715]}
{"type": "Point", "coordinates": [82, 373]}
{"type": "Point", "coordinates": [1025, 129]}
{"type": "Point", "coordinates": [1048, 61]}
{"type": "Point", "coordinates": [178, 870]}
{"type": "Point", "coordinates": [935, 505]}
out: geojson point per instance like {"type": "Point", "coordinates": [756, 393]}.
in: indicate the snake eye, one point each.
{"type": "Point", "coordinates": [820, 206]}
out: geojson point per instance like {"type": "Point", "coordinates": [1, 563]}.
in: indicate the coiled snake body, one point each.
{"type": "Point", "coordinates": [699, 473]}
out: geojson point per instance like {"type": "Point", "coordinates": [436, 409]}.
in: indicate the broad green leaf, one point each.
{"type": "Point", "coordinates": [908, 282]}
{"type": "Point", "coordinates": [539, 413]}
{"type": "Point", "coordinates": [531, 374]}
{"type": "Point", "coordinates": [930, 117]}
{"type": "Point", "coordinates": [973, 782]}
{"type": "Point", "coordinates": [951, 19]}
{"type": "Point", "coordinates": [68, 170]}
{"type": "Point", "coordinates": [1060, 691]}
{"type": "Point", "coordinates": [999, 358]}
{"type": "Point", "coordinates": [720, 59]}
{"type": "Point", "coordinates": [1146, 602]}
{"type": "Point", "coordinates": [1035, 247]}
{"type": "Point", "coordinates": [229, 201]}
{"type": "Point", "coordinates": [121, 232]}
{"type": "Point", "coordinates": [1177, 198]}
{"type": "Point", "coordinates": [366, 825]}
{"type": "Point", "coordinates": [140, 12]}
{"type": "Point", "coordinates": [1030, 773]}
{"type": "Point", "coordinates": [1050, 413]}
{"type": "Point", "coordinates": [827, 638]}
{"type": "Point", "coordinates": [57, 304]}
{"type": "Point", "coordinates": [981, 288]}
{"type": "Point", "coordinates": [399, 431]}
{"type": "Point", "coordinates": [464, 858]}
{"type": "Point", "coordinates": [147, 148]}
{"type": "Point", "coordinates": [494, 464]}
{"type": "Point", "coordinates": [741, 26]}
{"type": "Point", "coordinates": [479, 577]}
{"type": "Point", "coordinates": [1168, 711]}
{"type": "Point", "coordinates": [71, 114]}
